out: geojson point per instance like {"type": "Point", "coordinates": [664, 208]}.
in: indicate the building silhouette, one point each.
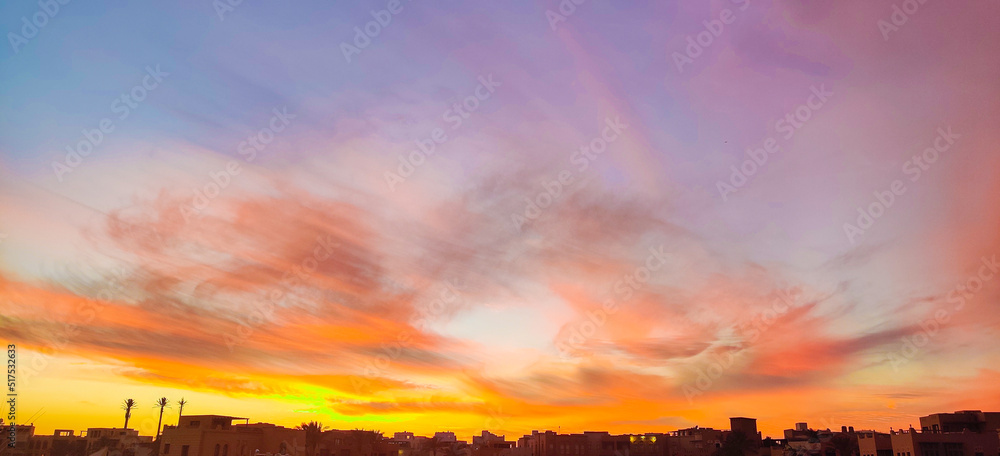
{"type": "Point", "coordinates": [962, 433]}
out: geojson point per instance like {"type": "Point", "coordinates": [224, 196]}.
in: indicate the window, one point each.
{"type": "Point", "coordinates": [953, 449]}
{"type": "Point", "coordinates": [166, 449]}
{"type": "Point", "coordinates": [930, 449]}
{"type": "Point", "coordinates": [185, 449]}
{"type": "Point", "coordinates": [216, 453]}
{"type": "Point", "coordinates": [225, 450]}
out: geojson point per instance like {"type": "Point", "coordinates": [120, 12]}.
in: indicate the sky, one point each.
{"type": "Point", "coordinates": [423, 216]}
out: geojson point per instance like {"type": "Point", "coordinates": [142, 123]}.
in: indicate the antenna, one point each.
{"type": "Point", "coordinates": [32, 416]}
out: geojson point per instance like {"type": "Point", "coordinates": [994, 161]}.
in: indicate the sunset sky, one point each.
{"type": "Point", "coordinates": [256, 228]}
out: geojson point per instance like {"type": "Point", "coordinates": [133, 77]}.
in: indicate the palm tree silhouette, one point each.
{"type": "Point", "coordinates": [161, 403]}
{"type": "Point", "coordinates": [845, 445]}
{"type": "Point", "coordinates": [128, 405]}
{"type": "Point", "coordinates": [314, 430]}
{"type": "Point", "coordinates": [180, 412]}
{"type": "Point", "coordinates": [435, 443]}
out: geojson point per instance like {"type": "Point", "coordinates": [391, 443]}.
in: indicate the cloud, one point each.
{"type": "Point", "coordinates": [306, 279]}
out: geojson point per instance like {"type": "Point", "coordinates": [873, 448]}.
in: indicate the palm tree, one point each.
{"type": "Point", "coordinates": [128, 405]}
{"type": "Point", "coordinates": [314, 430]}
{"type": "Point", "coordinates": [180, 412]}
{"type": "Point", "coordinates": [434, 444]}
{"type": "Point", "coordinates": [845, 445]}
{"type": "Point", "coordinates": [161, 403]}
